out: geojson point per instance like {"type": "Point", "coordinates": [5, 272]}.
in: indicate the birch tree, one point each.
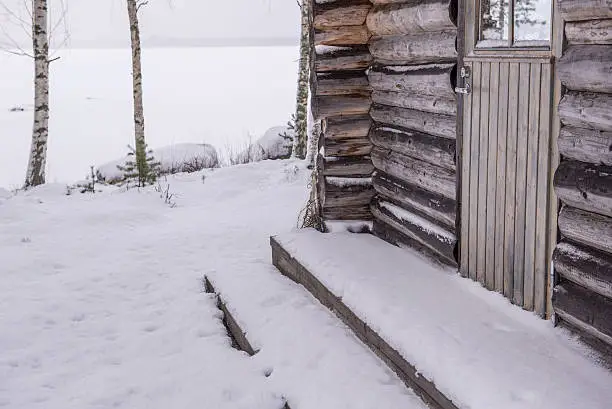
{"type": "Point", "coordinates": [301, 115]}
{"type": "Point", "coordinates": [40, 32]}
{"type": "Point", "coordinates": [140, 147]}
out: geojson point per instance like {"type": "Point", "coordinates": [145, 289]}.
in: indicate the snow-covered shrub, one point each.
{"type": "Point", "coordinates": [276, 143]}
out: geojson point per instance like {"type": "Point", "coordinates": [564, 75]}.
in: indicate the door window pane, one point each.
{"type": "Point", "coordinates": [532, 20]}
{"type": "Point", "coordinates": [494, 23]}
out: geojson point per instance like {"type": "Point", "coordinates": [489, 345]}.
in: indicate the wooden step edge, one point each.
{"type": "Point", "coordinates": [425, 389]}
{"type": "Point", "coordinates": [238, 336]}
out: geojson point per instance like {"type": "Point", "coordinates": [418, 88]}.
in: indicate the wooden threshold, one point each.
{"type": "Point", "coordinates": [426, 390]}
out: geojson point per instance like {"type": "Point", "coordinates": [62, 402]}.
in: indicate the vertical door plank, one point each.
{"type": "Point", "coordinates": [531, 186]}
{"type": "Point", "coordinates": [513, 95]}
{"type": "Point", "coordinates": [482, 171]}
{"type": "Point", "coordinates": [465, 182]}
{"type": "Point", "coordinates": [474, 158]}
{"type": "Point", "coordinates": [521, 180]}
{"type": "Point", "coordinates": [500, 200]}
{"type": "Point", "coordinates": [542, 205]}
{"type": "Point", "coordinates": [492, 175]}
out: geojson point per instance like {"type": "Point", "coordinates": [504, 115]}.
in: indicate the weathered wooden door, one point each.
{"type": "Point", "coordinates": [506, 89]}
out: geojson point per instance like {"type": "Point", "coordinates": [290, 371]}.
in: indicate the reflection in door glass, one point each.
{"type": "Point", "coordinates": [532, 20]}
{"type": "Point", "coordinates": [494, 19]}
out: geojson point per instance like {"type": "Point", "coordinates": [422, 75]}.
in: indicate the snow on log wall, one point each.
{"type": "Point", "coordinates": [342, 101]}
{"type": "Point", "coordinates": [582, 296]}
{"type": "Point", "coordinates": [414, 121]}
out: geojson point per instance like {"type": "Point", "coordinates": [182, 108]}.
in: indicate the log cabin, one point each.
{"type": "Point", "coordinates": [479, 133]}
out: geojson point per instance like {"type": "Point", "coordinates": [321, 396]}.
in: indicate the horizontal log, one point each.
{"type": "Point", "coordinates": [346, 195]}
{"type": "Point", "coordinates": [343, 83]}
{"type": "Point", "coordinates": [353, 15]}
{"type": "Point", "coordinates": [426, 122]}
{"type": "Point", "coordinates": [417, 80]}
{"type": "Point", "coordinates": [423, 202]}
{"type": "Point", "coordinates": [585, 186]}
{"type": "Point", "coordinates": [586, 110]}
{"type": "Point", "coordinates": [422, 102]}
{"type": "Point", "coordinates": [345, 166]}
{"type": "Point", "coordinates": [586, 306]}
{"type": "Point", "coordinates": [411, 17]}
{"type": "Point", "coordinates": [347, 146]}
{"type": "Point", "coordinates": [588, 336]}
{"type": "Point", "coordinates": [586, 68]}
{"type": "Point", "coordinates": [353, 58]}
{"type": "Point", "coordinates": [587, 228]}
{"type": "Point", "coordinates": [587, 267]}
{"type": "Point", "coordinates": [347, 213]}
{"type": "Point", "coordinates": [427, 148]}
{"type": "Point", "coordinates": [340, 127]}
{"type": "Point", "coordinates": [342, 105]}
{"type": "Point", "coordinates": [422, 48]}
{"type": "Point", "coordinates": [589, 32]}
{"type": "Point", "coordinates": [413, 171]}
{"type": "Point", "coordinates": [574, 10]}
{"type": "Point", "coordinates": [435, 238]}
{"type": "Point", "coordinates": [339, 36]}
{"type": "Point", "coordinates": [586, 145]}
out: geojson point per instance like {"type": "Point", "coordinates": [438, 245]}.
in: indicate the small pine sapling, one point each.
{"type": "Point", "coordinates": [287, 137]}
{"type": "Point", "coordinates": [144, 171]}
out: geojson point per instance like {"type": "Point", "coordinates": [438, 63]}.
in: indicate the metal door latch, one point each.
{"type": "Point", "coordinates": [465, 74]}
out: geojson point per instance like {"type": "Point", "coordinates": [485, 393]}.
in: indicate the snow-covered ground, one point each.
{"type": "Point", "coordinates": [198, 95]}
{"type": "Point", "coordinates": [102, 303]}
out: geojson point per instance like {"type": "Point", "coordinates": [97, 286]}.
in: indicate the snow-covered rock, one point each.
{"type": "Point", "coordinates": [178, 158]}
{"type": "Point", "coordinates": [276, 143]}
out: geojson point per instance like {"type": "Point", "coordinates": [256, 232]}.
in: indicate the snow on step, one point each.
{"type": "Point", "coordinates": [480, 351]}
{"type": "Point", "coordinates": [313, 358]}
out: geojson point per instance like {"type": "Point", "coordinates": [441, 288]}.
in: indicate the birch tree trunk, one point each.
{"type": "Point", "coordinates": [139, 123]}
{"type": "Point", "coordinates": [40, 133]}
{"type": "Point", "coordinates": [301, 114]}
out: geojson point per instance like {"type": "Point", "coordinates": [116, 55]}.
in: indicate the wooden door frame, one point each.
{"type": "Point", "coordinates": [553, 53]}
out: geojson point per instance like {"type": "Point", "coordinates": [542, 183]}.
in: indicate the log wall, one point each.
{"type": "Point", "coordinates": [582, 297]}
{"type": "Point", "coordinates": [342, 100]}
{"type": "Point", "coordinates": [414, 111]}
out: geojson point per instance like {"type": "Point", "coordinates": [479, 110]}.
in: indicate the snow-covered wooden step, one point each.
{"type": "Point", "coordinates": [455, 343]}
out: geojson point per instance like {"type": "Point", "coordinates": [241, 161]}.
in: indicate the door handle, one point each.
{"type": "Point", "coordinates": [465, 74]}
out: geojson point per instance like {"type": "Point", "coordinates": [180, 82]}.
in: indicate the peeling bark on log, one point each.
{"type": "Point", "coordinates": [343, 83]}
{"type": "Point", "coordinates": [342, 105]}
{"type": "Point", "coordinates": [586, 68]}
{"type": "Point", "coordinates": [347, 213]}
{"type": "Point", "coordinates": [416, 80]}
{"type": "Point", "coordinates": [431, 149]}
{"type": "Point", "coordinates": [433, 237]}
{"type": "Point", "coordinates": [587, 228]}
{"type": "Point", "coordinates": [586, 145]}
{"type": "Point", "coordinates": [585, 186]}
{"type": "Point", "coordinates": [341, 16]}
{"type": "Point", "coordinates": [421, 102]}
{"type": "Point", "coordinates": [347, 146]}
{"type": "Point", "coordinates": [591, 309]}
{"type": "Point", "coordinates": [412, 171]}
{"type": "Point", "coordinates": [586, 110]}
{"type": "Point", "coordinates": [415, 49]}
{"type": "Point", "coordinates": [585, 266]}
{"type": "Point", "coordinates": [358, 194]}
{"type": "Point", "coordinates": [339, 127]}
{"type": "Point", "coordinates": [426, 122]}
{"type": "Point", "coordinates": [574, 10]}
{"type": "Point", "coordinates": [346, 166]}
{"type": "Point", "coordinates": [589, 32]}
{"type": "Point", "coordinates": [429, 205]}
{"type": "Point", "coordinates": [355, 58]}
{"type": "Point", "coordinates": [411, 17]}
{"type": "Point", "coordinates": [341, 36]}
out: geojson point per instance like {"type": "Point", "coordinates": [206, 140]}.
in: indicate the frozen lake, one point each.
{"type": "Point", "coordinates": [221, 96]}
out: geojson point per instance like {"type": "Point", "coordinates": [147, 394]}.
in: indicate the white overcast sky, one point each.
{"type": "Point", "coordinates": [104, 22]}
